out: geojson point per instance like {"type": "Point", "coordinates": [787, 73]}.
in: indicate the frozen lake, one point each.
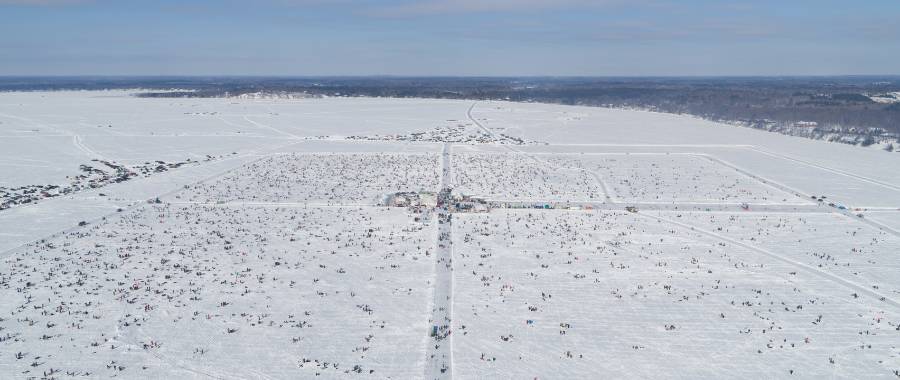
{"type": "Point", "coordinates": [414, 238]}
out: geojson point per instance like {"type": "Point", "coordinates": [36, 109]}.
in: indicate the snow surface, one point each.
{"type": "Point", "coordinates": [519, 177]}
{"type": "Point", "coordinates": [629, 297]}
{"type": "Point", "coordinates": [307, 290]}
{"type": "Point", "coordinates": [323, 178]}
{"type": "Point", "coordinates": [270, 257]}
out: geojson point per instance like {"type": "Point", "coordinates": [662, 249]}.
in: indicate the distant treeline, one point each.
{"type": "Point", "coordinates": [833, 104]}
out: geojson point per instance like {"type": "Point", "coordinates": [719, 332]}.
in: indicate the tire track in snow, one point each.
{"type": "Point", "coordinates": [765, 181]}
{"type": "Point", "coordinates": [780, 186]}
{"type": "Point", "coordinates": [271, 128]}
{"type": "Point", "coordinates": [826, 168]}
{"type": "Point", "coordinates": [78, 142]}
{"type": "Point", "coordinates": [811, 269]}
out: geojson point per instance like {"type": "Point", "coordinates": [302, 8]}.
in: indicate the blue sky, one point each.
{"type": "Point", "coordinates": [449, 37]}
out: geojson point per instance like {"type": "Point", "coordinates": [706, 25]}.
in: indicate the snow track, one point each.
{"type": "Point", "coordinates": [79, 143]}
{"type": "Point", "coordinates": [271, 128]}
{"type": "Point", "coordinates": [440, 342]}
{"type": "Point", "coordinates": [828, 169]}
{"type": "Point", "coordinates": [837, 279]}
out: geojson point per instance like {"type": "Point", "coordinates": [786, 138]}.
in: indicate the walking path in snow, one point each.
{"type": "Point", "coordinates": [439, 360]}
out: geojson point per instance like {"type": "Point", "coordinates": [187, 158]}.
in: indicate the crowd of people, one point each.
{"type": "Point", "coordinates": [174, 291]}
{"type": "Point", "coordinates": [97, 174]}
{"type": "Point", "coordinates": [333, 178]}
{"type": "Point", "coordinates": [518, 177]}
{"type": "Point", "coordinates": [673, 178]}
{"type": "Point", "coordinates": [288, 268]}
{"type": "Point", "coordinates": [830, 242]}
{"type": "Point", "coordinates": [552, 293]}
{"type": "Point", "coordinates": [465, 133]}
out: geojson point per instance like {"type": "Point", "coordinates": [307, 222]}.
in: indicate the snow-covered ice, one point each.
{"type": "Point", "coordinates": [324, 178]}
{"type": "Point", "coordinates": [552, 294]}
{"type": "Point", "coordinates": [190, 290]}
{"type": "Point", "coordinates": [249, 238]}
{"type": "Point", "coordinates": [520, 177]}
